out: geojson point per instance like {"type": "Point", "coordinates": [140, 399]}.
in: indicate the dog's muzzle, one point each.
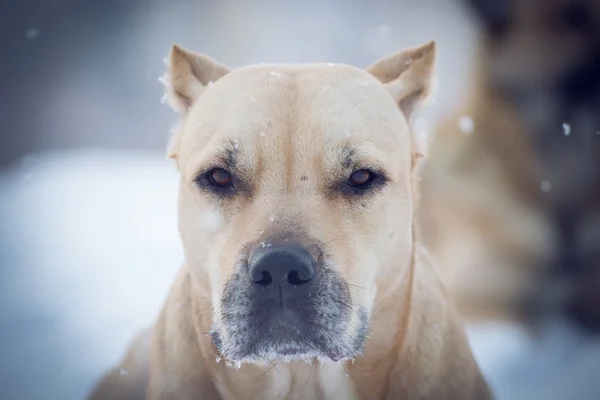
{"type": "Point", "coordinates": [285, 303]}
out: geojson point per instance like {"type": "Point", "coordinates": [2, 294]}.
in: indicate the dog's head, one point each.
{"type": "Point", "coordinates": [295, 203]}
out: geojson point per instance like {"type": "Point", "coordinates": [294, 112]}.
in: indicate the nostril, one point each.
{"type": "Point", "coordinates": [295, 280]}
{"type": "Point", "coordinates": [265, 279]}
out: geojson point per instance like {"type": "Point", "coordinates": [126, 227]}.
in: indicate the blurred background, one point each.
{"type": "Point", "coordinates": [88, 238]}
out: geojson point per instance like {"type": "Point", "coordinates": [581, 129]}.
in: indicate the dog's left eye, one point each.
{"type": "Point", "coordinates": [220, 178]}
{"type": "Point", "coordinates": [362, 178]}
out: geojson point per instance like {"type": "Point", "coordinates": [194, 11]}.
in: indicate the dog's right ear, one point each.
{"type": "Point", "coordinates": [188, 75]}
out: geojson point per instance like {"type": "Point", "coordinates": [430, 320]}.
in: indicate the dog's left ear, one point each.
{"type": "Point", "coordinates": [407, 75]}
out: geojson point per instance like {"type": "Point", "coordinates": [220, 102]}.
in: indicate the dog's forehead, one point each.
{"type": "Point", "coordinates": [330, 102]}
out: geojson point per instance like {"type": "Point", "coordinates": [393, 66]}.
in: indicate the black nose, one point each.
{"type": "Point", "coordinates": [282, 271]}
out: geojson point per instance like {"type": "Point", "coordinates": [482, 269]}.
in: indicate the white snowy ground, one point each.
{"type": "Point", "coordinates": [88, 248]}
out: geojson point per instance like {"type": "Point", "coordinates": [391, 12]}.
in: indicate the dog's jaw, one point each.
{"type": "Point", "coordinates": [347, 348]}
{"type": "Point", "coordinates": [325, 334]}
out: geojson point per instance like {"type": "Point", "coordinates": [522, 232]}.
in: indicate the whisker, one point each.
{"type": "Point", "coordinates": [331, 240]}
{"type": "Point", "coordinates": [343, 366]}
{"type": "Point", "coordinates": [312, 365]}
{"type": "Point", "coordinates": [275, 366]}
{"type": "Point", "coordinates": [359, 287]}
{"type": "Point", "coordinates": [267, 370]}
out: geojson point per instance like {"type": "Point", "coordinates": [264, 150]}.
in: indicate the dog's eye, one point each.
{"type": "Point", "coordinates": [218, 177]}
{"type": "Point", "coordinates": [362, 178]}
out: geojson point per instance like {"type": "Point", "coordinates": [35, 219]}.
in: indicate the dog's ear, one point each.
{"type": "Point", "coordinates": [188, 76]}
{"type": "Point", "coordinates": [407, 75]}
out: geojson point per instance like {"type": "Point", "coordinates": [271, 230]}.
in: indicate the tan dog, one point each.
{"type": "Point", "coordinates": [511, 192]}
{"type": "Point", "coordinates": [303, 279]}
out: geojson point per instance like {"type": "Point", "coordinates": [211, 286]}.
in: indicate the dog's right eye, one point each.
{"type": "Point", "coordinates": [219, 178]}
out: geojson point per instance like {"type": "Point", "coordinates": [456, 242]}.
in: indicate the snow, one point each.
{"type": "Point", "coordinates": [566, 129]}
{"type": "Point", "coordinates": [466, 124]}
{"type": "Point", "coordinates": [545, 186]}
{"type": "Point", "coordinates": [32, 33]}
{"type": "Point", "coordinates": [384, 30]}
{"type": "Point", "coordinates": [212, 220]}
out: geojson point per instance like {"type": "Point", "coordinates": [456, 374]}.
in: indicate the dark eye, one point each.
{"type": "Point", "coordinates": [218, 177]}
{"type": "Point", "coordinates": [361, 178]}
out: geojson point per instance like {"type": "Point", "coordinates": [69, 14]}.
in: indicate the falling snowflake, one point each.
{"type": "Point", "coordinates": [272, 218]}
{"type": "Point", "coordinates": [238, 364]}
{"type": "Point", "coordinates": [545, 186]}
{"type": "Point", "coordinates": [236, 144]}
{"type": "Point", "coordinates": [218, 359]}
{"type": "Point", "coordinates": [163, 99]}
{"type": "Point", "coordinates": [330, 64]}
{"type": "Point", "coordinates": [466, 124]}
{"type": "Point", "coordinates": [384, 30]}
{"type": "Point", "coordinates": [212, 220]}
{"type": "Point", "coordinates": [32, 33]}
{"type": "Point", "coordinates": [275, 74]}
{"type": "Point", "coordinates": [262, 133]}
{"type": "Point", "coordinates": [211, 84]}
{"type": "Point", "coordinates": [566, 129]}
{"type": "Point", "coordinates": [122, 372]}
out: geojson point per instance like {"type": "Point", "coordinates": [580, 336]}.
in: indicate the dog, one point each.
{"type": "Point", "coordinates": [304, 277]}
{"type": "Point", "coordinates": [511, 191]}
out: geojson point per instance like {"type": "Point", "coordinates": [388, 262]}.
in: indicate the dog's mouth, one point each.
{"type": "Point", "coordinates": [319, 324]}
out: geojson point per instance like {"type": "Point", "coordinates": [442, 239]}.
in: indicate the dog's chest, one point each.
{"type": "Point", "coordinates": [327, 381]}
